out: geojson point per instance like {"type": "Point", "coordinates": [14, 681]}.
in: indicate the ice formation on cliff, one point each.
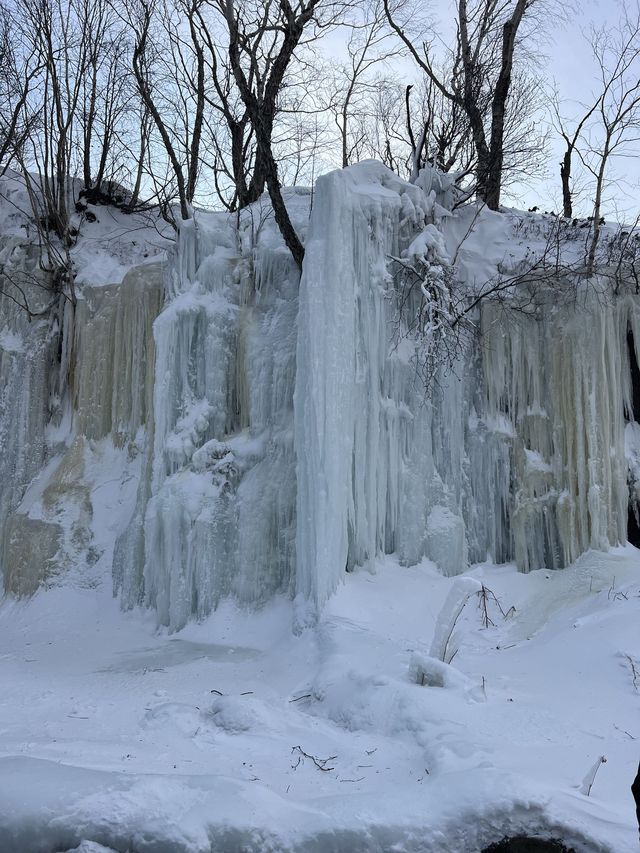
{"type": "Point", "coordinates": [71, 377]}
{"type": "Point", "coordinates": [367, 476]}
{"type": "Point", "coordinates": [217, 515]}
{"type": "Point", "coordinates": [26, 350]}
{"type": "Point", "coordinates": [519, 453]}
{"type": "Point", "coordinates": [560, 396]}
{"type": "Point", "coordinates": [278, 426]}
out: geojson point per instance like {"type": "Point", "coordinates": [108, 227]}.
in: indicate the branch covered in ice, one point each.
{"type": "Point", "coordinates": [460, 593]}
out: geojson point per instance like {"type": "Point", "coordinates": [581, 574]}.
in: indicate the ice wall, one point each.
{"type": "Point", "coordinates": [28, 364]}
{"type": "Point", "coordinates": [217, 518]}
{"type": "Point", "coordinates": [253, 489]}
{"type": "Point", "coordinates": [366, 440]}
{"type": "Point", "coordinates": [277, 428]}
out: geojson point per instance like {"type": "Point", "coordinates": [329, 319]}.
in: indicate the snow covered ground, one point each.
{"type": "Point", "coordinates": [237, 735]}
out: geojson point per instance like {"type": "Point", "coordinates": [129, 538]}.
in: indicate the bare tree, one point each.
{"type": "Point", "coordinates": [445, 139]}
{"type": "Point", "coordinates": [571, 140]}
{"type": "Point", "coordinates": [262, 41]}
{"type": "Point", "coordinates": [367, 48]}
{"type": "Point", "coordinates": [58, 34]}
{"type": "Point", "coordinates": [233, 149]}
{"type": "Point", "coordinates": [617, 52]}
{"type": "Point", "coordinates": [481, 79]}
{"type": "Point", "coordinates": [169, 72]}
{"type": "Point", "coordinates": [18, 72]}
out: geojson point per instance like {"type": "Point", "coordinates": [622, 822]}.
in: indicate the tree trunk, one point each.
{"type": "Point", "coordinates": [262, 110]}
{"type": "Point", "coordinates": [597, 206]}
{"type": "Point", "coordinates": [565, 176]}
{"type": "Point", "coordinates": [275, 194]}
{"type": "Point", "coordinates": [194, 149]}
{"type": "Point", "coordinates": [258, 178]}
{"type": "Point", "coordinates": [490, 155]}
{"type": "Point", "coordinates": [499, 107]}
{"type": "Point", "coordinates": [236, 131]}
{"type": "Point", "coordinates": [283, 221]}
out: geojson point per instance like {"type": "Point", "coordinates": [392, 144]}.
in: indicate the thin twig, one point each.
{"type": "Point", "coordinates": [320, 763]}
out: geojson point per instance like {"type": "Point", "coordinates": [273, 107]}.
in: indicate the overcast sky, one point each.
{"type": "Point", "coordinates": [567, 60]}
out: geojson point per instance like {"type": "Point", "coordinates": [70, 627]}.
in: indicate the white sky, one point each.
{"type": "Point", "coordinates": [568, 61]}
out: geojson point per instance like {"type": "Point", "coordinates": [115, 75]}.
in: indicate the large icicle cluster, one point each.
{"type": "Point", "coordinates": [216, 517]}
{"type": "Point", "coordinates": [367, 481]}
{"type": "Point", "coordinates": [280, 430]}
{"type": "Point", "coordinates": [519, 451]}
{"type": "Point", "coordinates": [557, 388]}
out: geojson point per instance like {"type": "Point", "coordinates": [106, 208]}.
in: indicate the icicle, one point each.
{"type": "Point", "coordinates": [364, 439]}
{"type": "Point", "coordinates": [560, 395]}
{"type": "Point", "coordinates": [221, 503]}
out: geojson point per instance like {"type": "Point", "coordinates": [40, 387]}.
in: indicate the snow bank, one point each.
{"type": "Point", "coordinates": [118, 735]}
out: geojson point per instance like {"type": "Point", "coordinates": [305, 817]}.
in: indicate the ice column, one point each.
{"type": "Point", "coordinates": [367, 483]}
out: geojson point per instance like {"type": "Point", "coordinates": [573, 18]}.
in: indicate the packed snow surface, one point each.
{"type": "Point", "coordinates": [205, 739]}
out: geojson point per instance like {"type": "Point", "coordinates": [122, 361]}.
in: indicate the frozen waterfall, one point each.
{"type": "Point", "coordinates": [367, 479]}
{"type": "Point", "coordinates": [277, 429]}
{"type": "Point", "coordinates": [217, 515]}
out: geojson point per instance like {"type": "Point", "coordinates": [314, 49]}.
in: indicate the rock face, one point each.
{"type": "Point", "coordinates": [30, 549]}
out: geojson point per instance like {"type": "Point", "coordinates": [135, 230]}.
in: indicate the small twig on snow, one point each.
{"type": "Point", "coordinates": [634, 672]}
{"type": "Point", "coordinates": [320, 763]}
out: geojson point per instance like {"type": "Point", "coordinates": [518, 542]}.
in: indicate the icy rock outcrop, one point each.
{"type": "Point", "coordinates": [31, 547]}
{"type": "Point", "coordinates": [51, 528]}
{"type": "Point", "coordinates": [72, 376]}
